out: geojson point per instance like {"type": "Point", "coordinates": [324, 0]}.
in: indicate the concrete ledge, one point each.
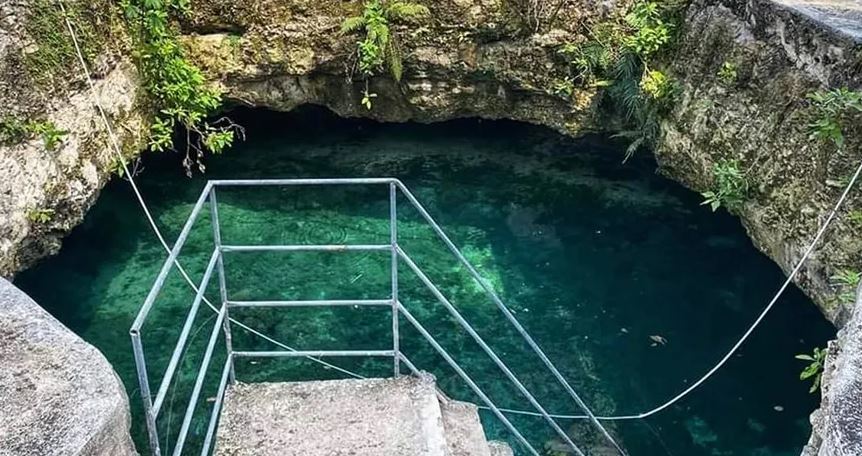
{"type": "Point", "coordinates": [58, 394]}
{"type": "Point", "coordinates": [373, 417]}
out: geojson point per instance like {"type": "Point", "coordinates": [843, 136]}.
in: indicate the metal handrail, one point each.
{"type": "Point", "coordinates": [489, 291]}
{"type": "Point", "coordinates": [152, 407]}
{"type": "Point", "coordinates": [460, 371]}
{"type": "Point", "coordinates": [487, 349]}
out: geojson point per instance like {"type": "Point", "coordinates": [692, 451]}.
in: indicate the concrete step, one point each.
{"type": "Point", "coordinates": [500, 448]}
{"type": "Point", "coordinates": [463, 430]}
{"type": "Point", "coordinates": [375, 417]}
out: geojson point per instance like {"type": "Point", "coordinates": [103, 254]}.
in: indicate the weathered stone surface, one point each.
{"type": "Point", "coordinates": [58, 395]}
{"type": "Point", "coordinates": [374, 417]}
{"type": "Point", "coordinates": [463, 430]}
{"type": "Point", "coordinates": [762, 119]}
{"type": "Point", "coordinates": [844, 16]}
{"type": "Point", "coordinates": [59, 184]}
{"type": "Point", "coordinates": [467, 60]}
{"type": "Point", "coordinates": [838, 423]}
{"type": "Point", "coordinates": [500, 449]}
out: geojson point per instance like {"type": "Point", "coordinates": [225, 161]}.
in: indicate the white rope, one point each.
{"type": "Point", "coordinates": [143, 204]}
{"type": "Point", "coordinates": [675, 399]}
{"type": "Point", "coordinates": [733, 350]}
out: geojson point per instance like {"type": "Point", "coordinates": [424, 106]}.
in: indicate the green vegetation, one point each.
{"type": "Point", "coordinates": [728, 73]}
{"type": "Point", "coordinates": [15, 131]}
{"type": "Point", "coordinates": [51, 136]}
{"type": "Point", "coordinates": [855, 217]}
{"type": "Point", "coordinates": [833, 108]}
{"type": "Point", "coordinates": [379, 48]}
{"type": "Point", "coordinates": [40, 215]}
{"type": "Point", "coordinates": [617, 55]}
{"type": "Point", "coordinates": [54, 57]}
{"type": "Point", "coordinates": [846, 281]}
{"type": "Point", "coordinates": [564, 86]}
{"type": "Point", "coordinates": [180, 93]}
{"type": "Point", "coordinates": [814, 370]}
{"type": "Point", "coordinates": [657, 85]}
{"type": "Point", "coordinates": [730, 186]}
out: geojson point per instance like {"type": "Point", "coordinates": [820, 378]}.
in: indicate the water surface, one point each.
{"type": "Point", "coordinates": [631, 286]}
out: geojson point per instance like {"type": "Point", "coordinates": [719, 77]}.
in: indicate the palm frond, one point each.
{"type": "Point", "coordinates": [626, 91]}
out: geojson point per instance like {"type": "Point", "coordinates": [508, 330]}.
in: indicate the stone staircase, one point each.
{"type": "Point", "coordinates": [406, 416]}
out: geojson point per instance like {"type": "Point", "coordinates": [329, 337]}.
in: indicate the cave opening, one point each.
{"type": "Point", "coordinates": [631, 286]}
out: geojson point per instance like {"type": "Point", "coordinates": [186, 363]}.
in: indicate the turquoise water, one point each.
{"type": "Point", "coordinates": [597, 259]}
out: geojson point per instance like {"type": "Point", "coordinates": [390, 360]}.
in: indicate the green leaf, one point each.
{"type": "Point", "coordinates": [352, 24]}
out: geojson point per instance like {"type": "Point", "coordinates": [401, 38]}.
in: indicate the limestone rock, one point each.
{"type": "Point", "coordinates": [838, 423]}
{"type": "Point", "coordinates": [762, 120]}
{"type": "Point", "coordinates": [45, 193]}
{"type": "Point", "coordinates": [58, 394]}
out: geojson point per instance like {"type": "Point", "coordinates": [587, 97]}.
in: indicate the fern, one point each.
{"type": "Point", "coordinates": [406, 11]}
{"type": "Point", "coordinates": [379, 48]}
{"type": "Point", "coordinates": [352, 24]}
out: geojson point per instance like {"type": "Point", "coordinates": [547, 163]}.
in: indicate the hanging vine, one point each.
{"type": "Point", "coordinates": [178, 88]}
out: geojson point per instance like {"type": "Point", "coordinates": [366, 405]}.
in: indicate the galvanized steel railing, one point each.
{"type": "Point", "coordinates": [153, 405]}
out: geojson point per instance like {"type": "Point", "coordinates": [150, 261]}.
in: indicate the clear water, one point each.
{"type": "Point", "coordinates": [593, 257]}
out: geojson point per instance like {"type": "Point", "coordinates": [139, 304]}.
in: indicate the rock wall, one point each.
{"type": "Point", "coordinates": [58, 394]}
{"type": "Point", "coordinates": [470, 59]}
{"type": "Point", "coordinates": [761, 119]}
{"type": "Point", "coordinates": [45, 193]}
{"type": "Point", "coordinates": [838, 423]}
{"type": "Point", "coordinates": [467, 60]}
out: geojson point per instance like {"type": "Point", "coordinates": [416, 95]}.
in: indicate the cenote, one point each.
{"type": "Point", "coordinates": [630, 285]}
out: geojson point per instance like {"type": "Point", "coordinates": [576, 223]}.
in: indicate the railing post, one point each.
{"type": "Point", "coordinates": [393, 240]}
{"type": "Point", "coordinates": [146, 395]}
{"type": "Point", "coordinates": [222, 284]}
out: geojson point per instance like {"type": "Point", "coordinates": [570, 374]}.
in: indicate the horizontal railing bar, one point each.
{"type": "Point", "coordinates": [487, 349]}
{"type": "Point", "coordinates": [315, 353]}
{"type": "Point", "coordinates": [216, 411]}
{"type": "Point", "coordinates": [172, 257]}
{"type": "Point", "coordinates": [323, 181]}
{"type": "Point", "coordinates": [303, 248]}
{"type": "Point", "coordinates": [184, 334]}
{"type": "Point", "coordinates": [199, 383]}
{"type": "Point", "coordinates": [313, 303]}
{"type": "Point", "coordinates": [473, 386]}
{"type": "Point", "coordinates": [489, 291]}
